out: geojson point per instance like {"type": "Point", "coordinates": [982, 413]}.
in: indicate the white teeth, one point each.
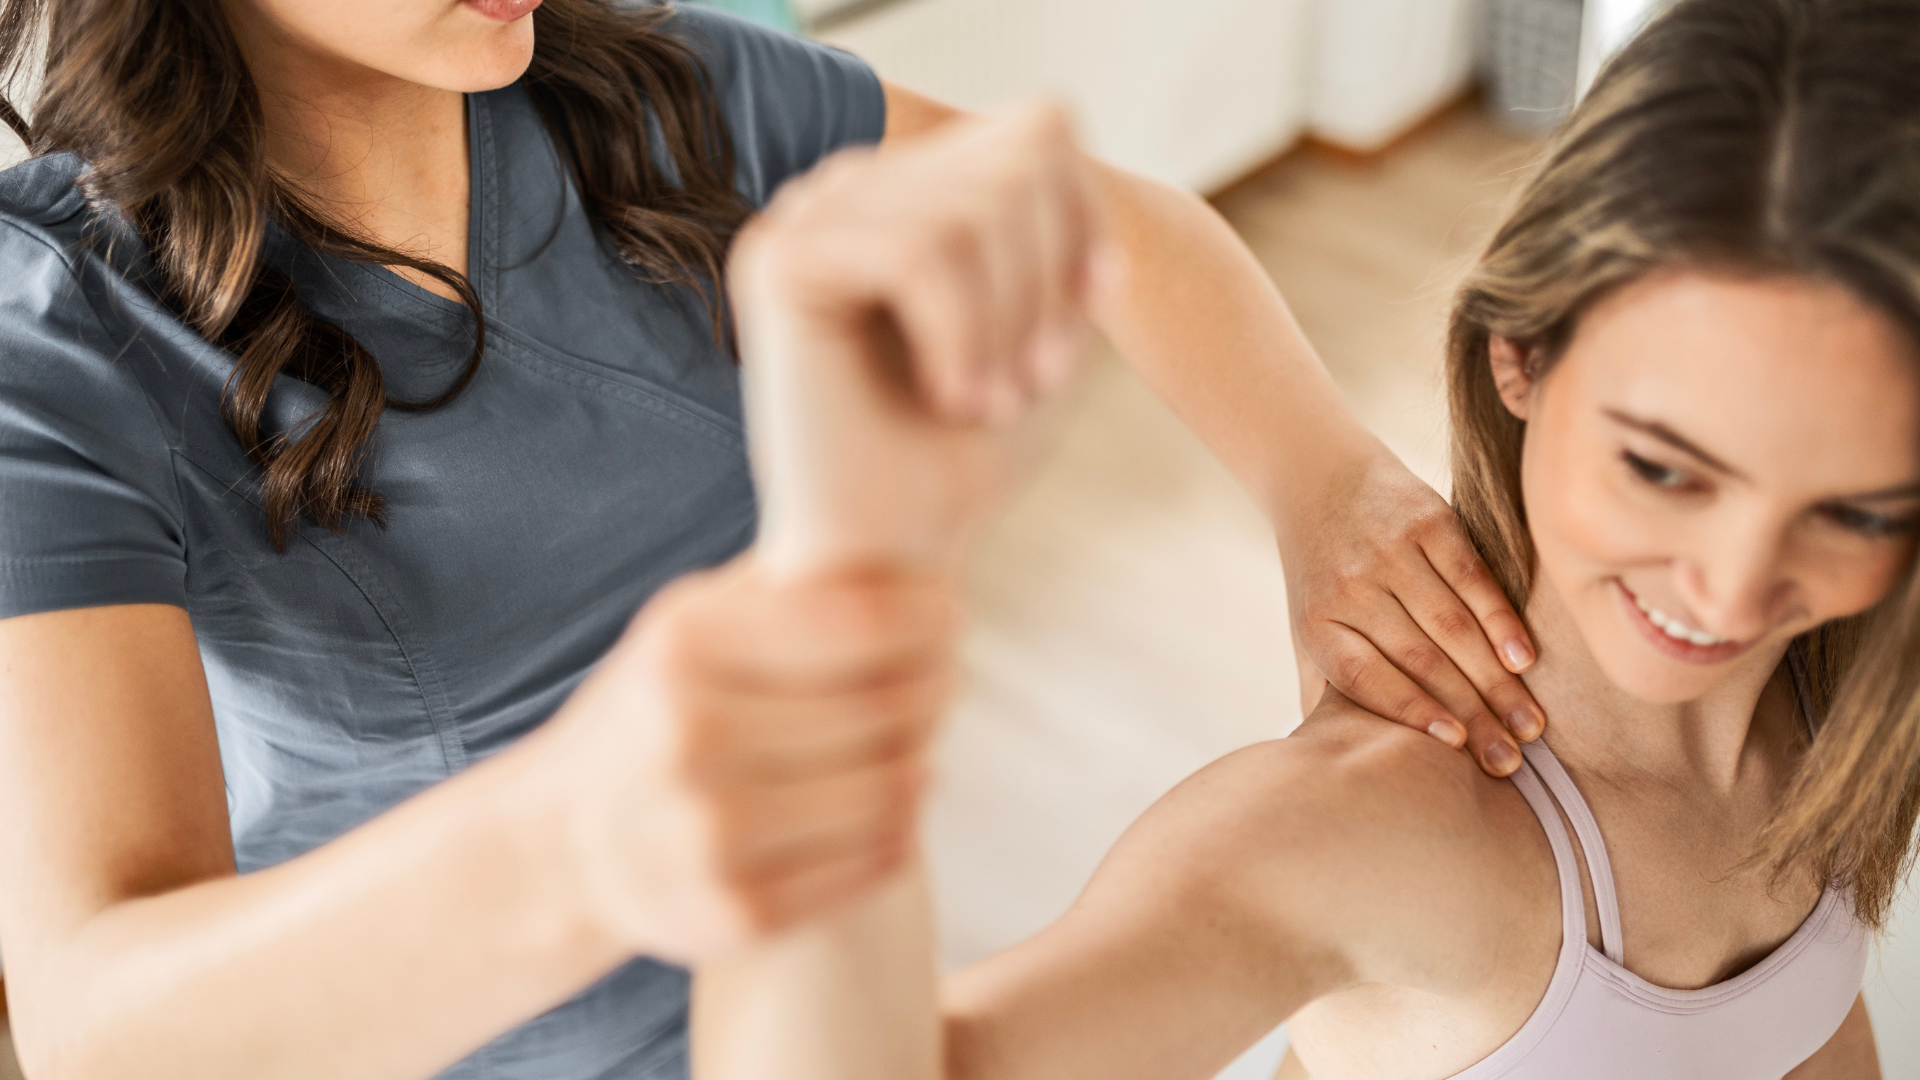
{"type": "Point", "coordinates": [1674, 628]}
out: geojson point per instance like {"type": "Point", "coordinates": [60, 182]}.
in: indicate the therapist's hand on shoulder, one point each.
{"type": "Point", "coordinates": [1394, 607]}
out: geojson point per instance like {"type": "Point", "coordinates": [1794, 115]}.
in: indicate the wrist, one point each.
{"type": "Point", "coordinates": [535, 809]}
{"type": "Point", "coordinates": [1318, 482]}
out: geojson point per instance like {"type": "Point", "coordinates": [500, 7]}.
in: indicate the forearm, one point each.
{"type": "Point", "coordinates": [1202, 323]}
{"type": "Point", "coordinates": [849, 998]}
{"type": "Point", "coordinates": [385, 955]}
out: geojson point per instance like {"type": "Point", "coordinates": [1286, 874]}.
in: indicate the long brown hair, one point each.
{"type": "Point", "coordinates": [1750, 137]}
{"type": "Point", "coordinates": [155, 97]}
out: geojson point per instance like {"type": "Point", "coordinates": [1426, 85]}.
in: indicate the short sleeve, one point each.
{"type": "Point", "coordinates": [89, 514]}
{"type": "Point", "coordinates": [788, 101]}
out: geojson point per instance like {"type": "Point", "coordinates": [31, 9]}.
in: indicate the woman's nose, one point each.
{"type": "Point", "coordinates": [1738, 586]}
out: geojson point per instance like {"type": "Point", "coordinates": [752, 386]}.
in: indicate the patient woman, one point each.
{"type": "Point", "coordinates": [1686, 415]}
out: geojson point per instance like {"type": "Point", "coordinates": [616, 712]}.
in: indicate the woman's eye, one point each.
{"type": "Point", "coordinates": [1653, 472]}
{"type": "Point", "coordinates": [1869, 524]}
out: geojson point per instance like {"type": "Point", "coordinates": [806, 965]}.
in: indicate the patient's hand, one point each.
{"type": "Point", "coordinates": [900, 313]}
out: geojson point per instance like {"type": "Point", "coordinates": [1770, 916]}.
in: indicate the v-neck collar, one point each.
{"type": "Point", "coordinates": [483, 212]}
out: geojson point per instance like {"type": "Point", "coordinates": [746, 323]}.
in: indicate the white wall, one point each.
{"type": "Point", "coordinates": [1380, 66]}
{"type": "Point", "coordinates": [1194, 93]}
{"type": "Point", "coordinates": [1893, 990]}
{"type": "Point", "coordinates": [1611, 24]}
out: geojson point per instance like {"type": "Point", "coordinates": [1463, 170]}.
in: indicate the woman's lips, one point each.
{"type": "Point", "coordinates": [1668, 645]}
{"type": "Point", "coordinates": [503, 10]}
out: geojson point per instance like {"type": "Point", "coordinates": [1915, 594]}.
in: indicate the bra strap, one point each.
{"type": "Point", "coordinates": [1573, 907]}
{"type": "Point", "coordinates": [1592, 844]}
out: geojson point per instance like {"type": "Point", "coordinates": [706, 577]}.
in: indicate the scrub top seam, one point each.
{"type": "Point", "coordinates": [483, 212]}
{"type": "Point", "coordinates": [413, 653]}
{"type": "Point", "coordinates": [533, 357]}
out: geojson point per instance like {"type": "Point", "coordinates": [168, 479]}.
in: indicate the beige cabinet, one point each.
{"type": "Point", "coordinates": [1195, 92]}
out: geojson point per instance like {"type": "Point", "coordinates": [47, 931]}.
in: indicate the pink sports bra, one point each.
{"type": "Point", "coordinates": [1599, 1021]}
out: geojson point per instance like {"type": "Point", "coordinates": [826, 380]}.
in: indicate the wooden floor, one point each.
{"type": "Point", "coordinates": [1130, 616]}
{"type": "Point", "coordinates": [9, 1069]}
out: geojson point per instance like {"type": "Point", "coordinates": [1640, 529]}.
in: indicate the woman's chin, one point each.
{"type": "Point", "coordinates": [1653, 679]}
{"type": "Point", "coordinates": [494, 57]}
{"type": "Point", "coordinates": [1656, 675]}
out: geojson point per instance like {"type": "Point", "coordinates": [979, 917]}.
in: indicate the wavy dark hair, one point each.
{"type": "Point", "coordinates": [156, 98]}
{"type": "Point", "coordinates": [1755, 138]}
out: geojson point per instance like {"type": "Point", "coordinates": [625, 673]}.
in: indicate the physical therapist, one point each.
{"type": "Point", "coordinates": [365, 367]}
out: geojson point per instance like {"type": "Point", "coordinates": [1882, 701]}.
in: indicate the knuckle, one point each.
{"type": "Point", "coordinates": [1351, 671]}
{"type": "Point", "coordinates": [1423, 662]}
{"type": "Point", "coordinates": [953, 241]}
{"type": "Point", "coordinates": [756, 912]}
{"type": "Point", "coordinates": [902, 791]}
{"type": "Point", "coordinates": [1506, 692]}
{"type": "Point", "coordinates": [1431, 518]}
{"type": "Point", "coordinates": [727, 833]}
{"type": "Point", "coordinates": [1468, 570]}
{"type": "Point", "coordinates": [869, 616]}
{"type": "Point", "coordinates": [1454, 624]}
{"type": "Point", "coordinates": [1481, 724]}
{"type": "Point", "coordinates": [1411, 708]}
{"type": "Point", "coordinates": [1350, 582]}
{"type": "Point", "coordinates": [702, 741]}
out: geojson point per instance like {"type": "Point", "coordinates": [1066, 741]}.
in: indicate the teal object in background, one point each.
{"type": "Point", "coordinates": [777, 13]}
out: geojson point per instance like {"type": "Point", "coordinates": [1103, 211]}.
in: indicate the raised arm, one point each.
{"type": "Point", "coordinates": [881, 302]}
{"type": "Point", "coordinates": [1388, 597]}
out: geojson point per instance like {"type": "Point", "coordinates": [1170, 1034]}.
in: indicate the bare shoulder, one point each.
{"type": "Point", "coordinates": [1357, 834]}
{"type": "Point", "coordinates": [1344, 775]}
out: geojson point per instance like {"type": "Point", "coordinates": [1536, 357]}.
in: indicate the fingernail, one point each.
{"type": "Point", "coordinates": [1503, 757]}
{"type": "Point", "coordinates": [1449, 732]}
{"type": "Point", "coordinates": [1526, 724]}
{"type": "Point", "coordinates": [1519, 657]}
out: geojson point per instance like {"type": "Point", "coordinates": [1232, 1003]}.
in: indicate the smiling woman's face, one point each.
{"type": "Point", "coordinates": [1716, 466]}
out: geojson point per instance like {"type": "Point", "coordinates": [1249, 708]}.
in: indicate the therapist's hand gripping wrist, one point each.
{"type": "Point", "coordinates": [752, 753]}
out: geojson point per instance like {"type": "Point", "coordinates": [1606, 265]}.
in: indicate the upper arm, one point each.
{"type": "Point", "coordinates": [1277, 876]}
{"type": "Point", "coordinates": [109, 777]}
{"type": "Point", "coordinates": [110, 781]}
{"type": "Point", "coordinates": [787, 102]}
{"type": "Point", "coordinates": [1849, 1055]}
{"type": "Point", "coordinates": [911, 113]}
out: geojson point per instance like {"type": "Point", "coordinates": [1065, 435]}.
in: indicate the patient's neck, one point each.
{"type": "Point", "coordinates": [1597, 729]}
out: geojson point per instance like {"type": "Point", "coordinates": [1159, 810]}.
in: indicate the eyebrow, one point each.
{"type": "Point", "coordinates": [1674, 439]}
{"type": "Point", "coordinates": [1908, 490]}
{"type": "Point", "coordinates": [1665, 434]}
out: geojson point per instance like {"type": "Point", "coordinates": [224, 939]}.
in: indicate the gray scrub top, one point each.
{"type": "Point", "coordinates": [597, 455]}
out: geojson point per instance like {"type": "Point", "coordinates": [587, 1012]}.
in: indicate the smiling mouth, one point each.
{"type": "Point", "coordinates": [1674, 637]}
{"type": "Point", "coordinates": [1673, 627]}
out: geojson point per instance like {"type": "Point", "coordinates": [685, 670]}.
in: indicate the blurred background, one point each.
{"type": "Point", "coordinates": [1130, 614]}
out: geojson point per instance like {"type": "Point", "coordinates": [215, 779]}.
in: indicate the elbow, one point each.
{"type": "Point", "coordinates": [965, 1048]}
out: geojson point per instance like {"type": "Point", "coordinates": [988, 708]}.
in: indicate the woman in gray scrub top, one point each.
{"type": "Point", "coordinates": [330, 743]}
